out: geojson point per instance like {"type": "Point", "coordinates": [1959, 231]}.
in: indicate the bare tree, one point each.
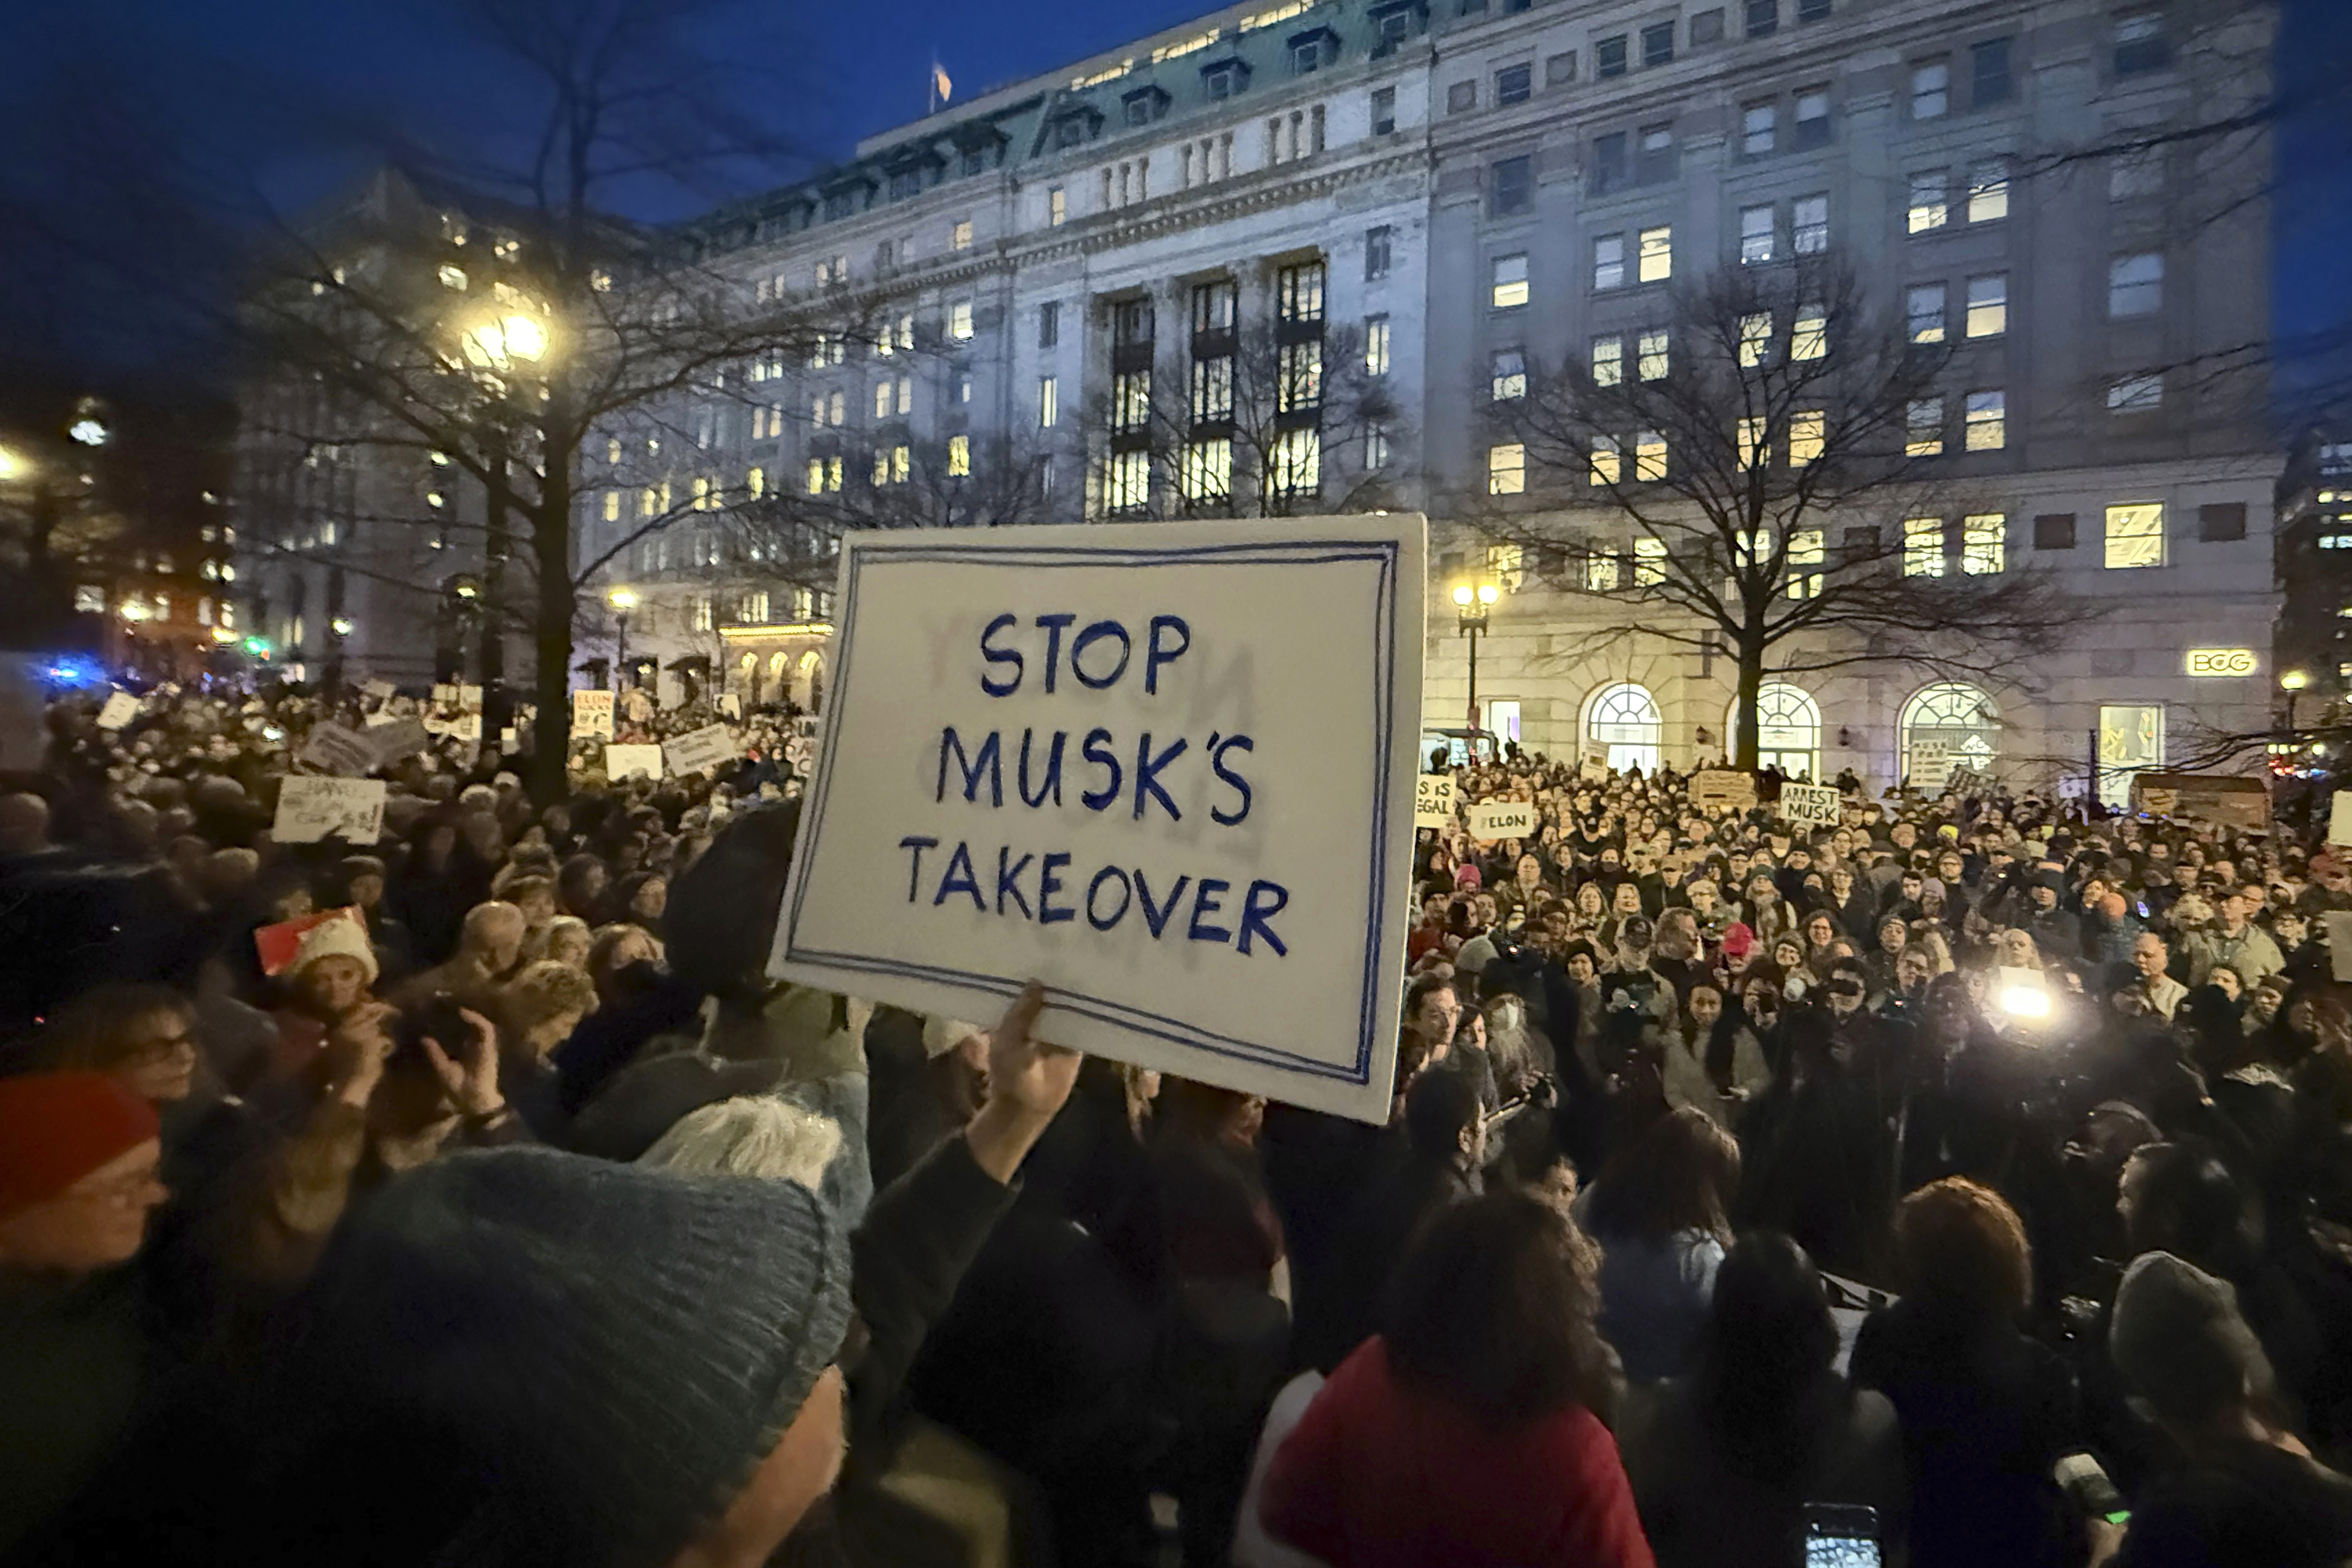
{"type": "Point", "coordinates": [1764, 470]}
{"type": "Point", "coordinates": [1255, 422]}
{"type": "Point", "coordinates": [490, 316]}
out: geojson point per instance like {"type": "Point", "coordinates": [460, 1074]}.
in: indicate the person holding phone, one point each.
{"type": "Point", "coordinates": [1764, 1442]}
{"type": "Point", "coordinates": [2246, 1489]}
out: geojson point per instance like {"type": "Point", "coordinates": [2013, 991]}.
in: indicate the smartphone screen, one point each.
{"type": "Point", "coordinates": [1841, 1536]}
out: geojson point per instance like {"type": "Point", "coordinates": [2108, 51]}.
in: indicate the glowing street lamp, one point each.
{"type": "Point", "coordinates": [622, 601]}
{"type": "Point", "coordinates": [500, 343]}
{"type": "Point", "coordinates": [14, 465]}
{"type": "Point", "coordinates": [2295, 680]}
{"type": "Point", "coordinates": [1471, 602]}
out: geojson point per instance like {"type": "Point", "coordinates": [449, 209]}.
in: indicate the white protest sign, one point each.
{"type": "Point", "coordinates": [469, 698]}
{"type": "Point", "coordinates": [466, 726]}
{"type": "Point", "coordinates": [731, 705]}
{"type": "Point", "coordinates": [2339, 818]}
{"type": "Point", "coordinates": [311, 808]}
{"type": "Point", "coordinates": [382, 690]}
{"type": "Point", "coordinates": [622, 762]}
{"type": "Point", "coordinates": [592, 714]}
{"type": "Point", "coordinates": [712, 746]}
{"type": "Point", "coordinates": [508, 740]}
{"type": "Point", "coordinates": [445, 696]}
{"type": "Point", "coordinates": [799, 752]}
{"type": "Point", "coordinates": [1491, 819]}
{"type": "Point", "coordinates": [1167, 772]}
{"type": "Point", "coordinates": [119, 710]}
{"type": "Point", "coordinates": [339, 751]}
{"type": "Point", "coordinates": [1432, 800]}
{"type": "Point", "coordinates": [1815, 804]}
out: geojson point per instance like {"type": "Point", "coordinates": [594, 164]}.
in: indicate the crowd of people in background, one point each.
{"type": "Point", "coordinates": [1969, 1177]}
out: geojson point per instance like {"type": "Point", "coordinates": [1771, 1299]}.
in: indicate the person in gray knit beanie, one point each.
{"type": "Point", "coordinates": [617, 1352]}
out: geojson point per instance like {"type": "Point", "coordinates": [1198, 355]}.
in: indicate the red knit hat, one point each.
{"type": "Point", "coordinates": [57, 1127]}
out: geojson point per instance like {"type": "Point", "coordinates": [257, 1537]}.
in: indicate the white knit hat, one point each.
{"type": "Point", "coordinates": [338, 937]}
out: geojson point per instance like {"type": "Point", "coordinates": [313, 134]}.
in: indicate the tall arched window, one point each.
{"type": "Point", "coordinates": [813, 679]}
{"type": "Point", "coordinates": [1788, 729]}
{"type": "Point", "coordinates": [1623, 720]}
{"type": "Point", "coordinates": [1948, 725]}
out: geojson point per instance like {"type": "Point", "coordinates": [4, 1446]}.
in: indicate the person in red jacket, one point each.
{"type": "Point", "coordinates": [1467, 1435]}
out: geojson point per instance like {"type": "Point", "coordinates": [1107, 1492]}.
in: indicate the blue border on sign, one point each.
{"type": "Point", "coordinates": [1384, 553]}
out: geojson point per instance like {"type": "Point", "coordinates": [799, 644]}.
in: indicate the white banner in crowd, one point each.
{"type": "Point", "coordinates": [626, 761]}
{"type": "Point", "coordinates": [1815, 805]}
{"type": "Point", "coordinates": [592, 714]}
{"type": "Point", "coordinates": [1489, 820]}
{"type": "Point", "coordinates": [712, 746]}
{"type": "Point", "coordinates": [1167, 772]}
{"type": "Point", "coordinates": [2339, 818]}
{"type": "Point", "coordinates": [119, 710]}
{"type": "Point", "coordinates": [311, 808]}
{"type": "Point", "coordinates": [1432, 800]}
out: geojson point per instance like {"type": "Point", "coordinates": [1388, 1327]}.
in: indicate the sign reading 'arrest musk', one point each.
{"type": "Point", "coordinates": [1169, 771]}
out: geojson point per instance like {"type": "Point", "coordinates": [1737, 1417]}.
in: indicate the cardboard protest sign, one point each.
{"type": "Point", "coordinates": [119, 710]}
{"type": "Point", "coordinates": [1167, 772]}
{"type": "Point", "coordinates": [712, 746]}
{"type": "Point", "coordinates": [507, 739]}
{"type": "Point", "coordinates": [310, 808]}
{"type": "Point", "coordinates": [592, 714]}
{"type": "Point", "coordinates": [731, 705]}
{"type": "Point", "coordinates": [445, 696]}
{"type": "Point", "coordinates": [1712, 787]}
{"type": "Point", "coordinates": [1491, 819]}
{"type": "Point", "coordinates": [397, 739]}
{"type": "Point", "coordinates": [467, 727]}
{"type": "Point", "coordinates": [1810, 805]}
{"type": "Point", "coordinates": [622, 762]}
{"type": "Point", "coordinates": [2216, 800]}
{"type": "Point", "coordinates": [339, 750]}
{"type": "Point", "coordinates": [469, 700]}
{"type": "Point", "coordinates": [2339, 818]}
{"type": "Point", "coordinates": [1432, 800]}
{"type": "Point", "coordinates": [275, 945]}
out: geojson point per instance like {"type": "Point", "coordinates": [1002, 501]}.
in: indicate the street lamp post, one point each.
{"type": "Point", "coordinates": [2291, 683]}
{"type": "Point", "coordinates": [622, 601]}
{"type": "Point", "coordinates": [1471, 603]}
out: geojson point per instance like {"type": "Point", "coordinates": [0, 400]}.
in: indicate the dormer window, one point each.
{"type": "Point", "coordinates": [1143, 106]}
{"type": "Point", "coordinates": [1225, 78]}
{"type": "Point", "coordinates": [1396, 22]}
{"type": "Point", "coordinates": [1312, 51]}
{"type": "Point", "coordinates": [1071, 132]}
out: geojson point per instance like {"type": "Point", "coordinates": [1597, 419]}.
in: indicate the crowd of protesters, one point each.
{"type": "Point", "coordinates": [472, 1196]}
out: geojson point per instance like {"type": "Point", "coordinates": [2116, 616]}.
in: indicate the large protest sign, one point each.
{"type": "Point", "coordinates": [712, 746]}
{"type": "Point", "coordinates": [2215, 800]}
{"type": "Point", "coordinates": [629, 761]}
{"type": "Point", "coordinates": [2339, 818]}
{"type": "Point", "coordinates": [1489, 820]}
{"type": "Point", "coordinates": [311, 808]}
{"type": "Point", "coordinates": [339, 751]}
{"type": "Point", "coordinates": [592, 714]}
{"type": "Point", "coordinates": [1807, 805]}
{"type": "Point", "coordinates": [1713, 787]}
{"type": "Point", "coordinates": [1167, 772]}
{"type": "Point", "coordinates": [119, 710]}
{"type": "Point", "coordinates": [1432, 800]}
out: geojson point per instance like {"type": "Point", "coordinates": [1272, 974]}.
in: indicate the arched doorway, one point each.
{"type": "Point", "coordinates": [813, 679]}
{"type": "Point", "coordinates": [1788, 729]}
{"type": "Point", "coordinates": [779, 679]}
{"type": "Point", "coordinates": [749, 667]}
{"type": "Point", "coordinates": [1948, 725]}
{"type": "Point", "coordinates": [1623, 720]}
